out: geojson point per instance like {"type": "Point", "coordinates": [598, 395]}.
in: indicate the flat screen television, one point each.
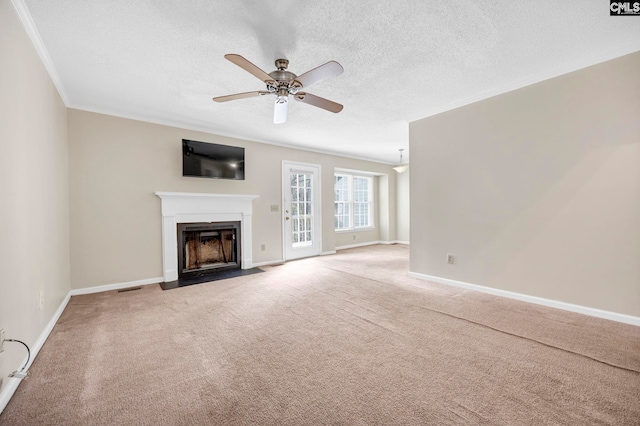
{"type": "Point", "coordinates": [210, 160]}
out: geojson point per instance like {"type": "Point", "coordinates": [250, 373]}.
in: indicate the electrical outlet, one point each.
{"type": "Point", "coordinates": [275, 207]}
{"type": "Point", "coordinates": [262, 247]}
{"type": "Point", "coordinates": [354, 237]}
{"type": "Point", "coordinates": [41, 300]}
{"type": "Point", "coordinates": [450, 259]}
{"type": "Point", "coordinates": [1, 339]}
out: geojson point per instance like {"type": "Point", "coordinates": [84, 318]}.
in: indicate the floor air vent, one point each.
{"type": "Point", "coordinates": [129, 289]}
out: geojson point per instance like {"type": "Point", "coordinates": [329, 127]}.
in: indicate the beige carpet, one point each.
{"type": "Point", "coordinates": [348, 339]}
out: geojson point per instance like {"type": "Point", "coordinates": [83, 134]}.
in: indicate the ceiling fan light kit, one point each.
{"type": "Point", "coordinates": [280, 110]}
{"type": "Point", "coordinates": [283, 83]}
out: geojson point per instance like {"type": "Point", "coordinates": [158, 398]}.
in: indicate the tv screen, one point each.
{"type": "Point", "coordinates": [210, 160]}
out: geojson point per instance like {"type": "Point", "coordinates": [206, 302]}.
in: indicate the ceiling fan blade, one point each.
{"type": "Point", "coordinates": [240, 96]}
{"type": "Point", "coordinates": [249, 67]}
{"type": "Point", "coordinates": [319, 102]}
{"type": "Point", "coordinates": [280, 110]}
{"type": "Point", "coordinates": [330, 69]}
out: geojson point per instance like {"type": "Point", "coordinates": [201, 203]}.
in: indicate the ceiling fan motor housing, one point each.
{"type": "Point", "coordinates": [282, 76]}
{"type": "Point", "coordinates": [285, 80]}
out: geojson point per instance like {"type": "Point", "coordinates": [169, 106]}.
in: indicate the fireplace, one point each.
{"type": "Point", "coordinates": [205, 248]}
{"type": "Point", "coordinates": [179, 208]}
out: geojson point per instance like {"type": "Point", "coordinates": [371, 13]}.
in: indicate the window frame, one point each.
{"type": "Point", "coordinates": [351, 201]}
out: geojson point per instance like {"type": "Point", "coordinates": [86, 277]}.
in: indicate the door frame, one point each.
{"type": "Point", "coordinates": [317, 205]}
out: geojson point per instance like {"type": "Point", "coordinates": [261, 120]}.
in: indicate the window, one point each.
{"type": "Point", "coordinates": [353, 202]}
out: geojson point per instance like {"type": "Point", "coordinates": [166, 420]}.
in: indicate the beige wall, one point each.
{"type": "Point", "coordinates": [387, 206]}
{"type": "Point", "coordinates": [34, 219]}
{"type": "Point", "coordinates": [536, 191]}
{"type": "Point", "coordinates": [403, 206]}
{"type": "Point", "coordinates": [116, 165]}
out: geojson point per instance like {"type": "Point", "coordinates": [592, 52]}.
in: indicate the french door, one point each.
{"type": "Point", "coordinates": [301, 215]}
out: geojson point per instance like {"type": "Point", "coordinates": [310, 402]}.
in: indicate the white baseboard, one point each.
{"type": "Point", "coordinates": [268, 263]}
{"type": "Point", "coordinates": [12, 384]}
{"type": "Point", "coordinates": [585, 310]}
{"type": "Point", "coordinates": [282, 261]}
{"type": "Point", "coordinates": [8, 391]}
{"type": "Point", "coordinates": [368, 243]}
{"type": "Point", "coordinates": [118, 286]}
{"type": "Point", "coordinates": [371, 243]}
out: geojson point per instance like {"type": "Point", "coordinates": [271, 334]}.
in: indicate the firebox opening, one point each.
{"type": "Point", "coordinates": [205, 248]}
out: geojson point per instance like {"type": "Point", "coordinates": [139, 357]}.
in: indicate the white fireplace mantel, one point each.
{"type": "Point", "coordinates": [186, 207]}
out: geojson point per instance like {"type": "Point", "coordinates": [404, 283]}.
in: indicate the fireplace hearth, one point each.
{"type": "Point", "coordinates": [208, 248]}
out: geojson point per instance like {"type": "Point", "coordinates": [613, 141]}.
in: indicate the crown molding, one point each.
{"type": "Point", "coordinates": [34, 35]}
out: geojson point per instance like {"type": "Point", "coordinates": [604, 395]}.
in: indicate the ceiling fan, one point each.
{"type": "Point", "coordinates": [283, 83]}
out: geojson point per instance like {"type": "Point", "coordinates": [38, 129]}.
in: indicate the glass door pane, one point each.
{"type": "Point", "coordinates": [301, 208]}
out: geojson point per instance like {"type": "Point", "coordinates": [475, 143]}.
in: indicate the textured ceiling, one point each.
{"type": "Point", "coordinates": [163, 61]}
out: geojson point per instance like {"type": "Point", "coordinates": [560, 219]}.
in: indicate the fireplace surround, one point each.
{"type": "Point", "coordinates": [183, 207]}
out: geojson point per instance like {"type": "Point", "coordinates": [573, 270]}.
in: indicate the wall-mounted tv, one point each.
{"type": "Point", "coordinates": [210, 160]}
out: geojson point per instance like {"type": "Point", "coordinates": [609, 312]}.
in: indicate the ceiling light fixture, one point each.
{"type": "Point", "coordinates": [401, 168]}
